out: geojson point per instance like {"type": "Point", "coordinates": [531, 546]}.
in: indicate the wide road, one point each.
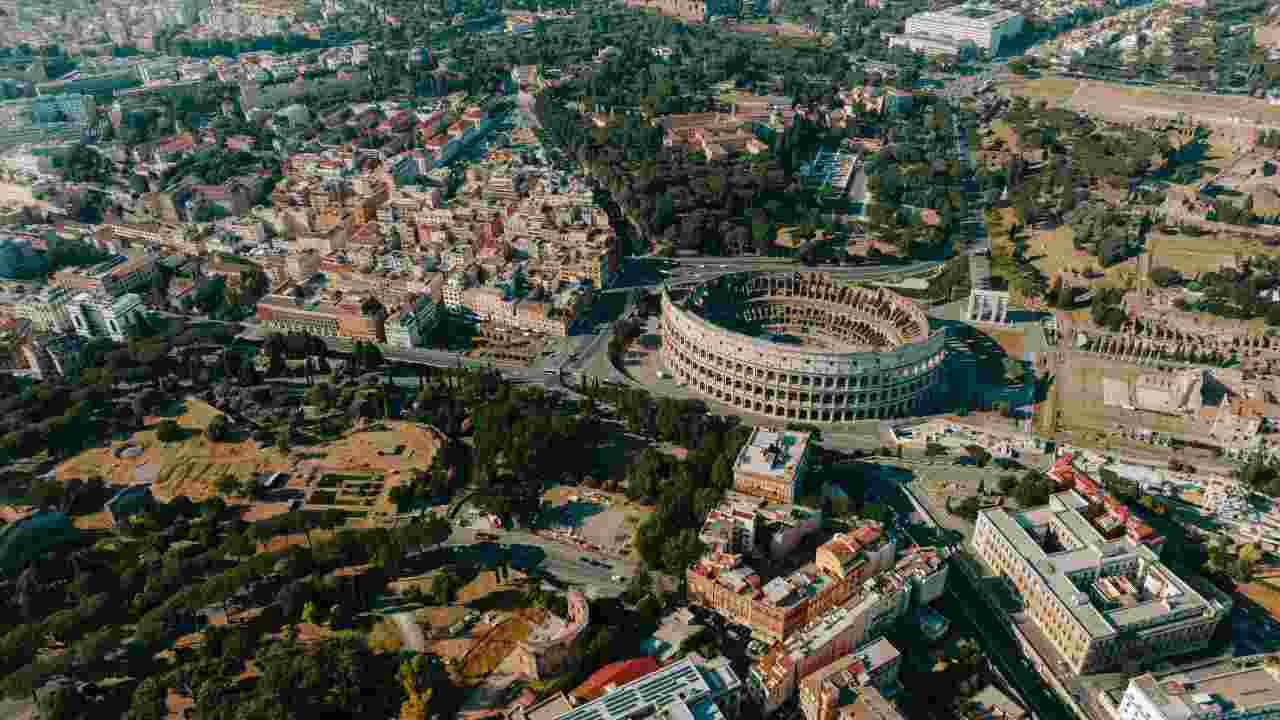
{"type": "Point", "coordinates": [965, 605]}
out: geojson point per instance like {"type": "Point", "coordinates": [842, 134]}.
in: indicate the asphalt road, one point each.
{"type": "Point", "coordinates": [964, 605]}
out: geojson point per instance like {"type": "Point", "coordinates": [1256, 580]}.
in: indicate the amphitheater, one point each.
{"type": "Point", "coordinates": [802, 346]}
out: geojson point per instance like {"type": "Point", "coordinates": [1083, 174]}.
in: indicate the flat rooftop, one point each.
{"type": "Point", "coordinates": [1215, 688]}
{"type": "Point", "coordinates": [1083, 548]}
{"type": "Point", "coordinates": [972, 14]}
{"type": "Point", "coordinates": [686, 689]}
{"type": "Point", "coordinates": [772, 452]}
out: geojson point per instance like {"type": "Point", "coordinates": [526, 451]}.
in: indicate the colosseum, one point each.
{"type": "Point", "coordinates": [802, 347]}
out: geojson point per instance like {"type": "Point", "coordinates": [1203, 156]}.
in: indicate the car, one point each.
{"type": "Point", "coordinates": [295, 505]}
{"type": "Point", "coordinates": [616, 578]}
{"type": "Point", "coordinates": [966, 460]}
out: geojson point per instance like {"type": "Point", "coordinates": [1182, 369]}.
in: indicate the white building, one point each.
{"type": "Point", "coordinates": [102, 316]}
{"type": "Point", "coordinates": [985, 26]}
{"type": "Point", "coordinates": [688, 689]}
{"type": "Point", "coordinates": [1240, 689]}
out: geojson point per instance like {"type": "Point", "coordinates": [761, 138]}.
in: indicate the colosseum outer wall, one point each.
{"type": "Point", "coordinates": [791, 382]}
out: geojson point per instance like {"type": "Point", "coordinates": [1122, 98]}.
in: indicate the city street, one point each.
{"type": "Point", "coordinates": [965, 606]}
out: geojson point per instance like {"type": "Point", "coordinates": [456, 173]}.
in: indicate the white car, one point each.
{"type": "Point", "coordinates": [616, 578]}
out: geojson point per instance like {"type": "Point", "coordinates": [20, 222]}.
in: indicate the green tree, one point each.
{"type": "Point", "coordinates": [218, 428]}
{"type": "Point", "coordinates": [227, 485]}
{"type": "Point", "coordinates": [314, 614]}
{"type": "Point", "coordinates": [168, 431]}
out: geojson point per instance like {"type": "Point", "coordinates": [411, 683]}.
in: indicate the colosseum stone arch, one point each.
{"type": "Point", "coordinates": [803, 347]}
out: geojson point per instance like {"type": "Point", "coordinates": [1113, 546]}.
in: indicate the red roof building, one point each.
{"type": "Point", "coordinates": [614, 675]}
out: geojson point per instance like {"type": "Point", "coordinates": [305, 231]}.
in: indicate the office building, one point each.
{"type": "Point", "coordinates": [984, 26]}
{"type": "Point", "coordinates": [1235, 689]}
{"type": "Point", "coordinates": [772, 464]}
{"type": "Point", "coordinates": [1097, 602]}
{"type": "Point", "coordinates": [688, 689]}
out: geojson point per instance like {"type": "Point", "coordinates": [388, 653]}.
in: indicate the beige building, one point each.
{"type": "Point", "coordinates": [772, 464]}
{"type": "Point", "coordinates": [1099, 603]}
{"type": "Point", "coordinates": [779, 608]}
{"type": "Point", "coordinates": [776, 677]}
{"type": "Point", "coordinates": [47, 311]}
{"type": "Point", "coordinates": [854, 686]}
{"type": "Point", "coordinates": [114, 277]}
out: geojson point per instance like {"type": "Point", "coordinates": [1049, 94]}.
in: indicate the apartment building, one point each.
{"type": "Point", "coordinates": [284, 311]}
{"type": "Point", "coordinates": [114, 277]}
{"type": "Point", "coordinates": [984, 26]}
{"type": "Point", "coordinates": [772, 464]}
{"type": "Point", "coordinates": [777, 609]}
{"type": "Point", "coordinates": [1098, 602]}
{"type": "Point", "coordinates": [46, 311]}
{"type": "Point", "coordinates": [776, 677]}
{"type": "Point", "coordinates": [96, 315]}
{"type": "Point", "coordinates": [854, 686]}
{"type": "Point", "coordinates": [734, 525]}
{"type": "Point", "coordinates": [1232, 689]}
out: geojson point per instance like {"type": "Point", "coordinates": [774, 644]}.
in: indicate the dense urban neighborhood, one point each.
{"type": "Point", "coordinates": [640, 360]}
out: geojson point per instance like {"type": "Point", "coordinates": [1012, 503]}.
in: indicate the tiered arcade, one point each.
{"type": "Point", "coordinates": [803, 347]}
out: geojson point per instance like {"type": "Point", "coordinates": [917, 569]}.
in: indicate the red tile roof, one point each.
{"type": "Point", "coordinates": [618, 673]}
